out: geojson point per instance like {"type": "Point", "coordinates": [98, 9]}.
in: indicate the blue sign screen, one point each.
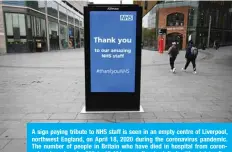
{"type": "Point", "coordinates": [112, 51]}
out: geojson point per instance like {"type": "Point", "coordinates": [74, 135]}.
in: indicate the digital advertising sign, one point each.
{"type": "Point", "coordinates": [112, 51]}
{"type": "Point", "coordinates": [113, 57]}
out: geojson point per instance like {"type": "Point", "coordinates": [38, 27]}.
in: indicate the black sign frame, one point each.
{"type": "Point", "coordinates": [116, 101]}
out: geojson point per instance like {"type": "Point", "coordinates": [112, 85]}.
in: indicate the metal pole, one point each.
{"type": "Point", "coordinates": [210, 20]}
{"type": "Point", "coordinates": [120, 1]}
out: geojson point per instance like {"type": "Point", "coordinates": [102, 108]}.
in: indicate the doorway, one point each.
{"type": "Point", "coordinates": [174, 37]}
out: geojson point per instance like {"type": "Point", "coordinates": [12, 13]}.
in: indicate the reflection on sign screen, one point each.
{"type": "Point", "coordinates": [112, 51]}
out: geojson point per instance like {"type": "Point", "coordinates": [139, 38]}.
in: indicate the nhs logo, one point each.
{"type": "Point", "coordinates": [126, 17]}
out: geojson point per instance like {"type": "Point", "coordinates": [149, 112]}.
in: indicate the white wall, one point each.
{"type": "Point", "coordinates": [2, 32]}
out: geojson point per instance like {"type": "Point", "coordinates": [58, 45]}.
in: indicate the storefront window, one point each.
{"type": "Point", "coordinates": [53, 34]}
{"type": "Point", "coordinates": [38, 27]}
{"type": "Point", "coordinates": [82, 37]}
{"type": "Point", "coordinates": [175, 19]}
{"type": "Point", "coordinates": [15, 20]}
{"type": "Point", "coordinates": [22, 25]}
{"type": "Point", "coordinates": [77, 38]}
{"type": "Point", "coordinates": [214, 21]}
{"type": "Point", "coordinates": [71, 36]}
{"type": "Point", "coordinates": [63, 36]}
{"type": "Point", "coordinates": [9, 23]}
{"type": "Point", "coordinates": [16, 27]}
{"type": "Point", "coordinates": [43, 28]}
{"type": "Point", "coordinates": [35, 26]}
{"type": "Point", "coordinates": [230, 20]}
{"type": "Point", "coordinates": [28, 21]}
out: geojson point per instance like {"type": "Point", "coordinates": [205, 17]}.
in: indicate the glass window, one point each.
{"type": "Point", "coordinates": [214, 16]}
{"type": "Point", "coordinates": [201, 18]}
{"type": "Point", "coordinates": [63, 13]}
{"type": "Point", "coordinates": [77, 37]}
{"type": "Point", "coordinates": [63, 36]}
{"type": "Point", "coordinates": [28, 21]}
{"type": "Point", "coordinates": [53, 28]}
{"type": "Point", "coordinates": [191, 17]}
{"type": "Point", "coordinates": [76, 21]}
{"type": "Point", "coordinates": [38, 27]}
{"type": "Point", "coordinates": [43, 28]}
{"type": "Point", "coordinates": [231, 20]}
{"type": "Point", "coordinates": [35, 29]}
{"type": "Point", "coordinates": [9, 28]}
{"type": "Point", "coordinates": [53, 35]}
{"type": "Point", "coordinates": [175, 19]}
{"type": "Point", "coordinates": [70, 17]}
{"type": "Point", "coordinates": [41, 5]}
{"type": "Point", "coordinates": [15, 20]}
{"type": "Point", "coordinates": [22, 26]}
{"type": "Point", "coordinates": [52, 8]}
{"type": "Point", "coordinates": [33, 26]}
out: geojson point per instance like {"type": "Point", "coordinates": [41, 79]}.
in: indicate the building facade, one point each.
{"type": "Point", "coordinates": [185, 20]}
{"type": "Point", "coordinates": [152, 19]}
{"type": "Point", "coordinates": [51, 24]}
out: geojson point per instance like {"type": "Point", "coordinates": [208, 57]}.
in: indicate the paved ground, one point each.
{"type": "Point", "coordinates": [49, 87]}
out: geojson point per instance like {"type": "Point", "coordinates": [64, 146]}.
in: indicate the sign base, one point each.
{"type": "Point", "coordinates": [84, 111]}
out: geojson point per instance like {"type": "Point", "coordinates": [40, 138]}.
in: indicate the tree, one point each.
{"type": "Point", "coordinates": [149, 36]}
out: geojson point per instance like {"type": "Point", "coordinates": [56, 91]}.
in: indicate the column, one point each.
{"type": "Point", "coordinates": [74, 29]}
{"type": "Point", "coordinates": [2, 31]}
{"type": "Point", "coordinates": [47, 28]}
{"type": "Point", "coordinates": [67, 28]}
{"type": "Point", "coordinates": [58, 9]}
{"type": "Point", "coordinates": [79, 32]}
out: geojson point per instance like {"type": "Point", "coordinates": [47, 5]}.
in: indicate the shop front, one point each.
{"type": "Point", "coordinates": [25, 31]}
{"type": "Point", "coordinates": [71, 37]}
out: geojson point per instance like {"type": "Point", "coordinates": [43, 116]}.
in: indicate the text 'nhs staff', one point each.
{"type": "Point", "coordinates": [113, 53]}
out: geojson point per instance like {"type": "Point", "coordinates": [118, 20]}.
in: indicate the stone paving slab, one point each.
{"type": "Point", "coordinates": [168, 114]}
{"type": "Point", "coordinates": [73, 121]}
{"type": "Point", "coordinates": [63, 116]}
{"type": "Point", "coordinates": [53, 91]}
{"type": "Point", "coordinates": [11, 116]}
{"type": "Point", "coordinates": [141, 115]}
{"type": "Point", "coordinates": [3, 143]}
{"type": "Point", "coordinates": [159, 120]}
{"type": "Point", "coordinates": [130, 121]}
{"type": "Point", "coordinates": [35, 116]}
{"type": "Point", "coordinates": [18, 145]}
{"type": "Point", "coordinates": [100, 121]}
{"type": "Point", "coordinates": [14, 133]}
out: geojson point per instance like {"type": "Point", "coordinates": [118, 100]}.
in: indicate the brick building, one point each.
{"type": "Point", "coordinates": [175, 20]}
{"type": "Point", "coordinates": [185, 20]}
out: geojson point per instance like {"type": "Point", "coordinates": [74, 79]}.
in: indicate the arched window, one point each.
{"type": "Point", "coordinates": [175, 19]}
{"type": "Point", "coordinates": [174, 37]}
